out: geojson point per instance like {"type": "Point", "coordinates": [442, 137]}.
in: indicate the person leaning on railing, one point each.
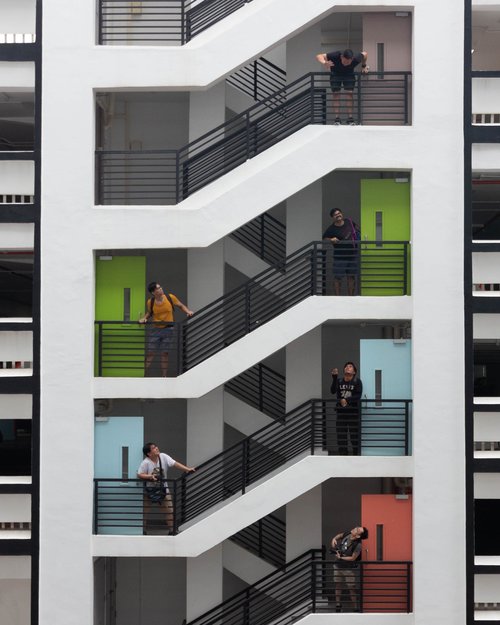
{"type": "Point", "coordinates": [346, 546]}
{"type": "Point", "coordinates": [341, 66]}
{"type": "Point", "coordinates": [153, 470]}
{"type": "Point", "coordinates": [161, 337]}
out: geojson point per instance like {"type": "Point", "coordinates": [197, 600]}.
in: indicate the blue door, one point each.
{"type": "Point", "coordinates": [385, 370]}
{"type": "Point", "coordinates": [117, 454]}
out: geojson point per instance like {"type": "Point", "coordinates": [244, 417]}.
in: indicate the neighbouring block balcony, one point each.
{"type": "Point", "coordinates": [486, 98]}
{"type": "Point", "coordinates": [382, 268]}
{"type": "Point", "coordinates": [156, 175]}
{"type": "Point", "coordinates": [380, 427]}
{"type": "Point", "coordinates": [159, 22]}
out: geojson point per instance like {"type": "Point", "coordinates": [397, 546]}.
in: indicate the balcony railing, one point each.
{"type": "Point", "coordinates": [307, 585]}
{"type": "Point", "coordinates": [382, 428]}
{"type": "Point", "coordinates": [262, 388]}
{"type": "Point", "coordinates": [383, 269]}
{"type": "Point", "coordinates": [265, 236]}
{"type": "Point", "coordinates": [170, 176]}
{"type": "Point", "coordinates": [266, 538]}
{"type": "Point", "coordinates": [159, 22]}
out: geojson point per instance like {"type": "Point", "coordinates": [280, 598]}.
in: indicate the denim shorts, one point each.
{"type": "Point", "coordinates": [161, 339]}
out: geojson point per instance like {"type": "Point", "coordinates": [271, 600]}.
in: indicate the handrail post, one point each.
{"type": "Point", "coordinates": [246, 608]}
{"type": "Point", "coordinates": [177, 178]}
{"type": "Point", "coordinates": [183, 22]}
{"type": "Point", "coordinates": [360, 115]}
{"type": "Point", "coordinates": [405, 268]}
{"type": "Point", "coordinates": [314, 268]}
{"type": "Point", "coordinates": [261, 549]}
{"type": "Point", "coordinates": [313, 426]}
{"type": "Point", "coordinates": [96, 506]}
{"type": "Point", "coordinates": [406, 99]}
{"type": "Point", "coordinates": [178, 328]}
{"type": "Point", "coordinates": [408, 587]}
{"type": "Point", "coordinates": [311, 92]}
{"type": "Point", "coordinates": [261, 390]}
{"type": "Point", "coordinates": [98, 178]}
{"type": "Point", "coordinates": [359, 428]}
{"type": "Point", "coordinates": [99, 349]}
{"type": "Point", "coordinates": [407, 428]}
{"type": "Point", "coordinates": [255, 79]}
{"type": "Point", "coordinates": [244, 469]}
{"type": "Point", "coordinates": [99, 22]}
{"type": "Point", "coordinates": [313, 586]}
{"type": "Point", "coordinates": [247, 308]}
{"type": "Point", "coordinates": [247, 118]}
{"type": "Point", "coordinates": [360, 597]}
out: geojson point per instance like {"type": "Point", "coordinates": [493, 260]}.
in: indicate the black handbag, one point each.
{"type": "Point", "coordinates": [158, 491]}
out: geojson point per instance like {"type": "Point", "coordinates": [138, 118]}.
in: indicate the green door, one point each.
{"type": "Point", "coordinates": [119, 297]}
{"type": "Point", "coordinates": [385, 217]}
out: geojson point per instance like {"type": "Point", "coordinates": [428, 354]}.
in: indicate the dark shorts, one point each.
{"type": "Point", "coordinates": [161, 339]}
{"type": "Point", "coordinates": [337, 81]}
{"type": "Point", "coordinates": [345, 266]}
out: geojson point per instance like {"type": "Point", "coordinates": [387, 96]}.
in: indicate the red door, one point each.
{"type": "Point", "coordinates": [385, 586]}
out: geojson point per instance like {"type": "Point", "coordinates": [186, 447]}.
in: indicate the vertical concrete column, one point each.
{"type": "Point", "coordinates": [303, 523]}
{"type": "Point", "coordinates": [205, 426]}
{"type": "Point", "coordinates": [304, 220]}
{"type": "Point", "coordinates": [205, 416]}
{"type": "Point", "coordinates": [204, 582]}
{"type": "Point", "coordinates": [207, 109]}
{"type": "Point", "coordinates": [301, 52]}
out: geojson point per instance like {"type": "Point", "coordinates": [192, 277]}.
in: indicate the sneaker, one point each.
{"type": "Point", "coordinates": [351, 122]}
{"type": "Point", "coordinates": [337, 121]}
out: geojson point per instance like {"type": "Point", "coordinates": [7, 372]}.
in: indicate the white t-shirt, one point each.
{"type": "Point", "coordinates": [153, 468]}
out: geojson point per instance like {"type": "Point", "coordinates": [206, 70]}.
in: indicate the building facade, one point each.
{"type": "Point", "coordinates": [193, 144]}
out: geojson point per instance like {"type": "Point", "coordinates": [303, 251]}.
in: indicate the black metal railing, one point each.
{"type": "Point", "coordinates": [383, 428]}
{"type": "Point", "coordinates": [260, 79]}
{"type": "Point", "coordinates": [307, 585]}
{"type": "Point", "coordinates": [262, 388]}
{"type": "Point", "coordinates": [265, 538]}
{"type": "Point", "coordinates": [170, 176]}
{"type": "Point", "coordinates": [159, 22]}
{"type": "Point", "coordinates": [383, 269]}
{"type": "Point", "coordinates": [265, 236]}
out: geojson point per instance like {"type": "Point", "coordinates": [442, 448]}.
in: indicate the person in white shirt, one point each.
{"type": "Point", "coordinates": [153, 470]}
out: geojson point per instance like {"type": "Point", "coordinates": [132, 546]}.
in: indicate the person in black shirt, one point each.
{"type": "Point", "coordinates": [347, 549]}
{"type": "Point", "coordinates": [341, 66]}
{"type": "Point", "coordinates": [344, 235]}
{"type": "Point", "coordinates": [348, 391]}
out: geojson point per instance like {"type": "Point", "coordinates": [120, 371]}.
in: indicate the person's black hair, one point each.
{"type": "Point", "coordinates": [334, 210]}
{"type": "Point", "coordinates": [347, 53]}
{"type": "Point", "coordinates": [364, 534]}
{"type": "Point", "coordinates": [353, 366]}
{"type": "Point", "coordinates": [152, 286]}
{"type": "Point", "coordinates": [147, 448]}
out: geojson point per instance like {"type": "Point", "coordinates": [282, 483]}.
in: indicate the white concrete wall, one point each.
{"type": "Point", "coordinates": [487, 426]}
{"type": "Point", "coordinates": [486, 95]}
{"type": "Point", "coordinates": [17, 16]}
{"type": "Point", "coordinates": [486, 485]}
{"type": "Point", "coordinates": [15, 508]}
{"type": "Point", "coordinates": [486, 267]}
{"type": "Point", "coordinates": [17, 177]}
{"type": "Point", "coordinates": [487, 588]}
{"type": "Point", "coordinates": [15, 407]}
{"type": "Point", "coordinates": [485, 156]}
{"type": "Point", "coordinates": [17, 237]}
{"type": "Point", "coordinates": [16, 346]}
{"type": "Point", "coordinates": [244, 564]}
{"type": "Point", "coordinates": [486, 326]}
{"type": "Point", "coordinates": [18, 76]}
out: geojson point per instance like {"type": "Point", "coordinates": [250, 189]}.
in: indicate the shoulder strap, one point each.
{"type": "Point", "coordinates": [152, 303]}
{"type": "Point", "coordinates": [167, 295]}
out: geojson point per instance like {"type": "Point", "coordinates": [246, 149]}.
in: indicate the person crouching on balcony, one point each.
{"type": "Point", "coordinates": [341, 66]}
{"type": "Point", "coordinates": [346, 546]}
{"type": "Point", "coordinates": [161, 337]}
{"type": "Point", "coordinates": [153, 470]}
